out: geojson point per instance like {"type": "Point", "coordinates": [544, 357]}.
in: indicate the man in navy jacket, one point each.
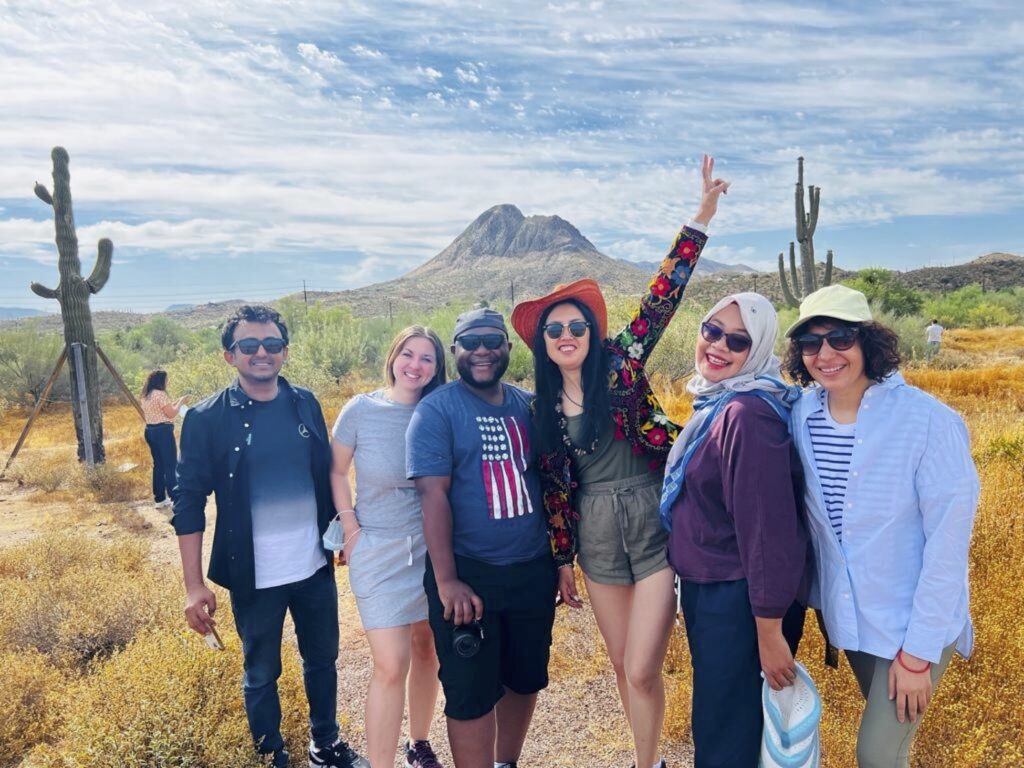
{"type": "Point", "coordinates": [261, 447]}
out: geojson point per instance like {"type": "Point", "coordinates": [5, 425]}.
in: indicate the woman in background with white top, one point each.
{"type": "Point", "coordinates": [385, 549]}
{"type": "Point", "coordinates": [891, 495]}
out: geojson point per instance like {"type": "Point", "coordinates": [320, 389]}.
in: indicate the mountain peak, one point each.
{"type": "Point", "coordinates": [502, 231]}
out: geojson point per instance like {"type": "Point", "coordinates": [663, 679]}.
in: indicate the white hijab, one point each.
{"type": "Point", "coordinates": [761, 370]}
{"type": "Point", "coordinates": [762, 325]}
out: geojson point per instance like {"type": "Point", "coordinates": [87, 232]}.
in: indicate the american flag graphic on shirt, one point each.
{"type": "Point", "coordinates": [505, 448]}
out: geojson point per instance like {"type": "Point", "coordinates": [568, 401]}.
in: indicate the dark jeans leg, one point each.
{"type": "Point", "coordinates": [259, 619]}
{"type": "Point", "coordinates": [727, 720]}
{"type": "Point", "coordinates": [160, 439]}
{"type": "Point", "coordinates": [314, 607]}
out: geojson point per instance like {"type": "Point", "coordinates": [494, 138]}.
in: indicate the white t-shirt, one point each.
{"type": "Point", "coordinates": [934, 332]}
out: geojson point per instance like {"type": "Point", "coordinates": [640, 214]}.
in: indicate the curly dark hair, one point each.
{"type": "Point", "coordinates": [880, 345]}
{"type": "Point", "coordinates": [155, 380]}
{"type": "Point", "coordinates": [251, 313]}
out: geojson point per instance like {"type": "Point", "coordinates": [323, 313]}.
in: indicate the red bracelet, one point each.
{"type": "Point", "coordinates": [899, 658]}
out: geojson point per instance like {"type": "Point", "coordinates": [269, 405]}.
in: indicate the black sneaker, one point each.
{"type": "Point", "coordinates": [419, 754]}
{"type": "Point", "coordinates": [338, 755]}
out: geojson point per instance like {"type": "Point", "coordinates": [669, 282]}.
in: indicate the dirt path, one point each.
{"type": "Point", "coordinates": [578, 721]}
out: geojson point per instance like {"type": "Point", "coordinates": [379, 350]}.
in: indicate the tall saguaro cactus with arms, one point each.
{"type": "Point", "coordinates": [806, 280]}
{"type": "Point", "coordinates": [73, 292]}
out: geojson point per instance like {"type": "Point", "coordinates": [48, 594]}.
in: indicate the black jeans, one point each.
{"type": "Point", "coordinates": [160, 438]}
{"type": "Point", "coordinates": [727, 718]}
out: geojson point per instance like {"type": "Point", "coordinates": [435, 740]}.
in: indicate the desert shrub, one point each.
{"type": "Point", "coordinates": [31, 703]}
{"type": "Point", "coordinates": [884, 290]}
{"type": "Point", "coordinates": [27, 358]}
{"type": "Point", "coordinates": [75, 599]}
{"type": "Point", "coordinates": [972, 307]}
{"type": "Point", "coordinates": [168, 700]}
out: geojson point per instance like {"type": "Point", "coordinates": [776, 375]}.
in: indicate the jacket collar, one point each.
{"type": "Point", "coordinates": [237, 395]}
{"type": "Point", "coordinates": [813, 396]}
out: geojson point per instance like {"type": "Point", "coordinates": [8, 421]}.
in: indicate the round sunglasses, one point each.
{"type": "Point", "coordinates": [249, 346]}
{"type": "Point", "coordinates": [577, 328]}
{"type": "Point", "coordinates": [736, 342]}
{"type": "Point", "coordinates": [840, 339]}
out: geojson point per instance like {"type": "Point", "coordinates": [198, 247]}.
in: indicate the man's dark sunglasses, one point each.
{"type": "Point", "coordinates": [577, 328]}
{"type": "Point", "coordinates": [471, 341]}
{"type": "Point", "coordinates": [249, 346]}
{"type": "Point", "coordinates": [736, 342]}
{"type": "Point", "coordinates": [840, 339]}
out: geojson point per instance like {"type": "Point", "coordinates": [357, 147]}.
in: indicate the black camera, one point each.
{"type": "Point", "coordinates": [466, 639]}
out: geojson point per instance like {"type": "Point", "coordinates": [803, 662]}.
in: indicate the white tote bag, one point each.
{"type": "Point", "coordinates": [791, 718]}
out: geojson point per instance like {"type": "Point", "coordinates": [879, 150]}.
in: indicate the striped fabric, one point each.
{"type": "Point", "coordinates": [833, 447]}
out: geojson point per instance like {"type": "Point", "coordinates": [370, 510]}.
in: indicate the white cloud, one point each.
{"type": "Point", "coordinates": [319, 58]}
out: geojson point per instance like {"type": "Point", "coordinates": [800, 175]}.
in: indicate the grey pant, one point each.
{"type": "Point", "coordinates": [883, 741]}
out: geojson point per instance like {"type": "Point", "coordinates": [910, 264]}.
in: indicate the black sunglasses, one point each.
{"type": "Point", "coordinates": [471, 341]}
{"type": "Point", "coordinates": [577, 328]}
{"type": "Point", "coordinates": [840, 339]}
{"type": "Point", "coordinates": [249, 346]}
{"type": "Point", "coordinates": [736, 342]}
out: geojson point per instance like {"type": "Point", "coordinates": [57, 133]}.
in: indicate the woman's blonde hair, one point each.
{"type": "Point", "coordinates": [417, 332]}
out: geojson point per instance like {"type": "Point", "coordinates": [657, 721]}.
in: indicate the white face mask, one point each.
{"type": "Point", "coordinates": [334, 536]}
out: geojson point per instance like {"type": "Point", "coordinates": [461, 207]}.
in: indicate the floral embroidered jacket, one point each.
{"type": "Point", "coordinates": [638, 416]}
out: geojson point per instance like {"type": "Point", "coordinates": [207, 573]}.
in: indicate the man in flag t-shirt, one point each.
{"type": "Point", "coordinates": [489, 566]}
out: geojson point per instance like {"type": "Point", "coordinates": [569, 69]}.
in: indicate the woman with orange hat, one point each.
{"type": "Point", "coordinates": [603, 440]}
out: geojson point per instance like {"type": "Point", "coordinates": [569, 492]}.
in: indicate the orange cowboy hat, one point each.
{"type": "Point", "coordinates": [526, 316]}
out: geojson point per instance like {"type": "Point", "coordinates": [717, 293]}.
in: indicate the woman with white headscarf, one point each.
{"type": "Point", "coordinates": [737, 538]}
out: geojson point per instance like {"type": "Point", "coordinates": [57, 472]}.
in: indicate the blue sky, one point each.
{"type": "Point", "coordinates": [235, 149]}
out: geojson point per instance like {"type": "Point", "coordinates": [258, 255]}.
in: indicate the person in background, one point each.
{"type": "Point", "coordinates": [603, 439]}
{"type": "Point", "coordinates": [891, 495]}
{"type": "Point", "coordinates": [261, 446]}
{"type": "Point", "coordinates": [933, 333]}
{"type": "Point", "coordinates": [738, 541]}
{"type": "Point", "coordinates": [159, 412]}
{"type": "Point", "coordinates": [385, 548]}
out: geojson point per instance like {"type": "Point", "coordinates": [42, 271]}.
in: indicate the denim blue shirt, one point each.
{"type": "Point", "coordinates": [214, 441]}
{"type": "Point", "coordinates": [899, 577]}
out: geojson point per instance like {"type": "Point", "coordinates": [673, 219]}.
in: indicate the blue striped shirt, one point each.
{"type": "Point", "coordinates": [899, 577]}
{"type": "Point", "coordinates": [833, 447]}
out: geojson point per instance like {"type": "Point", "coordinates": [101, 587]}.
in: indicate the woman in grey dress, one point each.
{"type": "Point", "coordinates": [384, 546]}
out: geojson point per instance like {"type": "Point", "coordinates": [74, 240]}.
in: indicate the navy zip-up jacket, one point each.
{"type": "Point", "coordinates": [214, 438]}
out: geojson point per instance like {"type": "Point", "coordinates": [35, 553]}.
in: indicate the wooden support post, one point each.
{"type": "Point", "coordinates": [120, 381]}
{"type": "Point", "coordinates": [38, 407]}
{"type": "Point", "coordinates": [82, 404]}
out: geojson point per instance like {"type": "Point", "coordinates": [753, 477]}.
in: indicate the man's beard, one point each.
{"type": "Point", "coordinates": [465, 368]}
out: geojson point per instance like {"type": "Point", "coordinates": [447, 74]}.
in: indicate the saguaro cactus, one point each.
{"type": "Point", "coordinates": [806, 280]}
{"type": "Point", "coordinates": [72, 292]}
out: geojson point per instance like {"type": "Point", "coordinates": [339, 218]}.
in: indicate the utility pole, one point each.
{"type": "Point", "coordinates": [305, 296]}
{"type": "Point", "coordinates": [512, 286]}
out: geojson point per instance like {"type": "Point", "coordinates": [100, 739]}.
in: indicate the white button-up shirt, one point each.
{"type": "Point", "coordinates": [899, 577]}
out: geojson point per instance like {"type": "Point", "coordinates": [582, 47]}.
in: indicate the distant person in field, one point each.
{"type": "Point", "coordinates": [490, 579]}
{"type": "Point", "coordinates": [160, 411]}
{"type": "Point", "coordinates": [603, 439]}
{"type": "Point", "coordinates": [385, 549]}
{"type": "Point", "coordinates": [262, 447]}
{"type": "Point", "coordinates": [738, 540]}
{"type": "Point", "coordinates": [891, 494]}
{"type": "Point", "coordinates": [934, 335]}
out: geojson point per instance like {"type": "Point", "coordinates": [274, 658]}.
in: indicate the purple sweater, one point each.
{"type": "Point", "coordinates": [739, 515]}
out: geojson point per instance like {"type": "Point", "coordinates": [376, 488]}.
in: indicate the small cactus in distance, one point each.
{"type": "Point", "coordinates": [72, 293]}
{"type": "Point", "coordinates": [804, 280]}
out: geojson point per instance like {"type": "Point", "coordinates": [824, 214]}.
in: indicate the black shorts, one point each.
{"type": "Point", "coordinates": [519, 611]}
